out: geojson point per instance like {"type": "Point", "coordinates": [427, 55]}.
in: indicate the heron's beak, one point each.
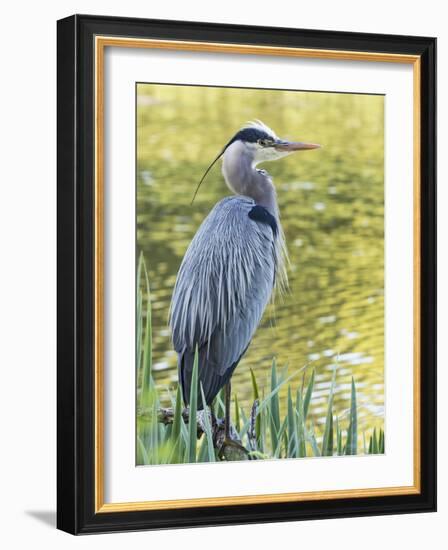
{"type": "Point", "coordinates": [290, 146]}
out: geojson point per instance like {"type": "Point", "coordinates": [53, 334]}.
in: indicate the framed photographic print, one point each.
{"type": "Point", "coordinates": [246, 274]}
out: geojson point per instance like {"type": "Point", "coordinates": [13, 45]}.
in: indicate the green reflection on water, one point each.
{"type": "Point", "coordinates": [331, 204]}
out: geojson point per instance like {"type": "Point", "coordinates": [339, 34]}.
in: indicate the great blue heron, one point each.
{"type": "Point", "coordinates": [231, 266]}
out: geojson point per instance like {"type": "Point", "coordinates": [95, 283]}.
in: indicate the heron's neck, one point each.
{"type": "Point", "coordinates": [244, 179]}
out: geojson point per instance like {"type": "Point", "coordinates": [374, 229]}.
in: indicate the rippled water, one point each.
{"type": "Point", "coordinates": [331, 204]}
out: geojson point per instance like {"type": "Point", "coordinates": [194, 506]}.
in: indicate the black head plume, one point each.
{"type": "Point", "coordinates": [250, 134]}
{"type": "Point", "coordinates": [207, 171]}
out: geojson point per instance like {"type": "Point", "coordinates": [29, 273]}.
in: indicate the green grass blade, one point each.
{"type": "Point", "coordinates": [184, 433]}
{"type": "Point", "coordinates": [218, 403]}
{"type": "Point", "coordinates": [256, 393]}
{"type": "Point", "coordinates": [237, 414]}
{"type": "Point", "coordinates": [327, 442]}
{"type": "Point", "coordinates": [165, 433]}
{"type": "Point", "coordinates": [265, 401]}
{"type": "Point", "coordinates": [374, 442]}
{"type": "Point", "coordinates": [292, 435]}
{"type": "Point", "coordinates": [284, 373]}
{"type": "Point", "coordinates": [244, 422]}
{"type": "Point", "coordinates": [300, 425]}
{"type": "Point", "coordinates": [154, 433]}
{"type": "Point", "coordinates": [381, 442]}
{"type": "Point", "coordinates": [351, 446]}
{"type": "Point", "coordinates": [145, 396]}
{"type": "Point", "coordinates": [192, 422]}
{"type": "Point", "coordinates": [171, 451]}
{"type": "Point", "coordinates": [139, 311]}
{"type": "Point", "coordinates": [208, 431]}
{"type": "Point", "coordinates": [139, 268]}
{"type": "Point", "coordinates": [177, 415]}
{"type": "Point", "coordinates": [263, 420]}
{"type": "Point", "coordinates": [280, 435]}
{"type": "Point", "coordinates": [138, 329]}
{"type": "Point", "coordinates": [275, 407]}
{"type": "Point", "coordinates": [203, 451]}
{"type": "Point", "coordinates": [339, 449]}
{"type": "Point", "coordinates": [308, 395]}
{"type": "Point", "coordinates": [142, 455]}
{"type": "Point", "coordinates": [285, 441]}
{"type": "Point", "coordinates": [254, 385]}
{"type": "Point", "coordinates": [311, 438]}
{"type": "Point", "coordinates": [175, 432]}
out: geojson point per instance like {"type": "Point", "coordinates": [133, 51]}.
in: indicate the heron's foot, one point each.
{"type": "Point", "coordinates": [232, 450]}
{"type": "Point", "coordinates": [201, 418]}
{"type": "Point", "coordinates": [257, 455]}
{"type": "Point", "coordinates": [233, 443]}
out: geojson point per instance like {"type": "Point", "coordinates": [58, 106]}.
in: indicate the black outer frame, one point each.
{"type": "Point", "coordinates": [75, 296]}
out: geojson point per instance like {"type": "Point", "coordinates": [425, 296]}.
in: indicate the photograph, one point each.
{"type": "Point", "coordinates": [246, 257]}
{"type": "Point", "coordinates": [221, 222]}
{"type": "Point", "coordinates": [259, 274]}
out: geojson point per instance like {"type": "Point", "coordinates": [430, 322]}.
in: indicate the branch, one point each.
{"type": "Point", "coordinates": [166, 416]}
{"type": "Point", "coordinates": [227, 449]}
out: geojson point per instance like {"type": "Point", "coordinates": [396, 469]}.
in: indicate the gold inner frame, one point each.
{"type": "Point", "coordinates": [101, 42]}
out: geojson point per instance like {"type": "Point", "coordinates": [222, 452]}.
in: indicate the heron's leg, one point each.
{"type": "Point", "coordinates": [227, 412]}
{"type": "Point", "coordinates": [212, 414]}
{"type": "Point", "coordinates": [230, 449]}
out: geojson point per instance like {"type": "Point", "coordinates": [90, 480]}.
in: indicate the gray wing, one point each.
{"type": "Point", "coordinates": [223, 286]}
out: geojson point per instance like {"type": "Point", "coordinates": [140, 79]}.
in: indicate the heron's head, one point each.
{"type": "Point", "coordinates": [258, 143]}
{"type": "Point", "coordinates": [252, 144]}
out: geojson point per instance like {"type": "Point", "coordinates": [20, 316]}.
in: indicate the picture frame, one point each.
{"type": "Point", "coordinates": [82, 43]}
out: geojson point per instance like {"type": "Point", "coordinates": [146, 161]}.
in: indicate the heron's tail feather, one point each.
{"type": "Point", "coordinates": [208, 374]}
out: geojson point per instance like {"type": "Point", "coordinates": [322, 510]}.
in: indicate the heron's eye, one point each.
{"type": "Point", "coordinates": [265, 142]}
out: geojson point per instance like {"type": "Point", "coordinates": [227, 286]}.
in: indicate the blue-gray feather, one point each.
{"type": "Point", "coordinates": [223, 286]}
